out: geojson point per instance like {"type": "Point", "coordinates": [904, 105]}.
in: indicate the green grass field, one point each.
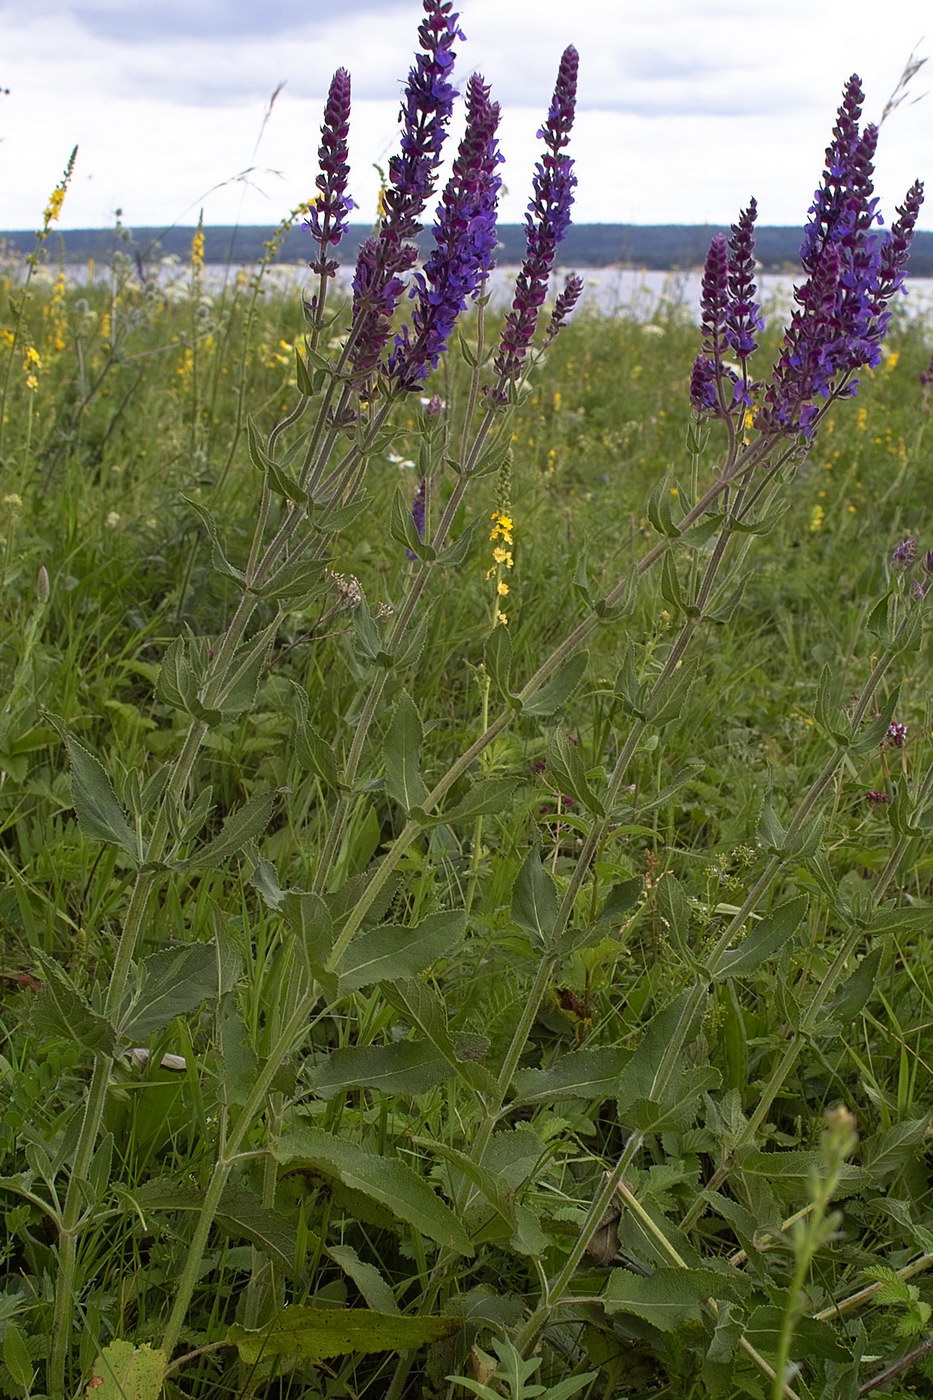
{"type": "Point", "coordinates": [650, 926]}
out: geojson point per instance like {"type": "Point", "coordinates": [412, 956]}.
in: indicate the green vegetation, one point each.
{"type": "Point", "coordinates": [393, 1087]}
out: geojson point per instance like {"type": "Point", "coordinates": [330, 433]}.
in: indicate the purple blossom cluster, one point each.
{"type": "Point", "coordinates": [730, 318]}
{"type": "Point", "coordinates": [546, 221]}
{"type": "Point", "coordinates": [327, 220]}
{"type": "Point", "coordinates": [419, 507]}
{"type": "Point", "coordinates": [464, 244]}
{"type": "Point", "coordinates": [853, 270]}
{"type": "Point", "coordinates": [383, 260]}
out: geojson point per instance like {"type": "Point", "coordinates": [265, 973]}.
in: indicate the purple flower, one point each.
{"type": "Point", "coordinates": [546, 222]}
{"type": "Point", "coordinates": [896, 736]}
{"type": "Point", "coordinates": [464, 243]}
{"type": "Point", "coordinates": [928, 562]}
{"type": "Point", "coordinates": [743, 317]}
{"type": "Point", "coordinates": [384, 259]}
{"type": "Point", "coordinates": [877, 799]}
{"type": "Point", "coordinates": [564, 305]}
{"type": "Point", "coordinates": [905, 552]}
{"type": "Point", "coordinates": [703, 385]}
{"type": "Point", "coordinates": [730, 317]}
{"type": "Point", "coordinates": [852, 272]}
{"type": "Point", "coordinates": [426, 108]}
{"type": "Point", "coordinates": [327, 220]}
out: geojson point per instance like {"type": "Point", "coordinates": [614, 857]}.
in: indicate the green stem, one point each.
{"type": "Point", "coordinates": [293, 1031]}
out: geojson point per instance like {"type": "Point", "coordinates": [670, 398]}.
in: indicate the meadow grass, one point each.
{"type": "Point", "coordinates": [503, 1074]}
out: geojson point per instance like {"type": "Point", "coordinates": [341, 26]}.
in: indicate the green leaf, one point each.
{"type": "Point", "coordinates": [839, 1013]}
{"type": "Point", "coordinates": [766, 939]}
{"type": "Point", "coordinates": [583, 1074]}
{"type": "Point", "coordinates": [557, 691]}
{"type": "Point", "coordinates": [424, 1010]}
{"type": "Point", "coordinates": [16, 1357]}
{"type": "Point", "coordinates": [96, 807]}
{"type": "Point", "coordinates": [651, 1070]}
{"type": "Point", "coordinates": [127, 1372]}
{"type": "Point", "coordinates": [392, 951]}
{"type": "Point", "coordinates": [178, 680]}
{"type": "Point", "coordinates": [534, 899]}
{"type": "Point", "coordinates": [497, 658]}
{"type": "Point", "coordinates": [376, 1292]}
{"type": "Point", "coordinates": [621, 900]}
{"type": "Point", "coordinates": [406, 1067]}
{"type": "Point", "coordinates": [241, 1215]}
{"type": "Point", "coordinates": [239, 693]}
{"type": "Point", "coordinates": [659, 507]}
{"type": "Point", "coordinates": [219, 560]}
{"type": "Point", "coordinates": [302, 377]}
{"type": "Point", "coordinates": [312, 1334]}
{"type": "Point", "coordinates": [886, 1152]}
{"type": "Point", "coordinates": [386, 1180]}
{"type": "Point", "coordinates": [172, 983]}
{"type": "Point", "coordinates": [299, 580]}
{"type": "Point", "coordinates": [486, 796]}
{"type": "Point", "coordinates": [403, 530]}
{"type": "Point", "coordinates": [309, 918]}
{"type": "Point", "coordinates": [61, 1011]}
{"type": "Point", "coordinates": [241, 826]}
{"type": "Point", "coordinates": [667, 1297]}
{"type": "Point", "coordinates": [811, 1338]}
{"type": "Point", "coordinates": [454, 555]}
{"type": "Point", "coordinates": [567, 773]}
{"type": "Point", "coordinates": [237, 1054]}
{"type": "Point", "coordinates": [795, 1169]}
{"type": "Point", "coordinates": [402, 753]}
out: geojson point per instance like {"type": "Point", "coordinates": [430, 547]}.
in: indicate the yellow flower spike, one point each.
{"type": "Point", "coordinates": [817, 516]}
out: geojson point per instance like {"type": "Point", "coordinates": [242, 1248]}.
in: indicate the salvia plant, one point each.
{"type": "Point", "coordinates": [413, 1049]}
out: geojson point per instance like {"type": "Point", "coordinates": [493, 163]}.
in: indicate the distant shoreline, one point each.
{"type": "Point", "coordinates": [653, 247]}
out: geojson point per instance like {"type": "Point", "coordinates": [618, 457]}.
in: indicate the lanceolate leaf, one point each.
{"type": "Point", "coordinates": [555, 692]}
{"type": "Point", "coordinates": [407, 1067]}
{"type": "Point", "coordinates": [376, 1292]}
{"type": "Point", "coordinates": [583, 1074]}
{"type": "Point", "coordinates": [173, 982]}
{"type": "Point", "coordinates": [241, 1215]}
{"type": "Point", "coordinates": [96, 807]}
{"type": "Point", "coordinates": [383, 1179]}
{"type": "Point", "coordinates": [393, 951]}
{"type": "Point", "coordinates": [312, 1334]}
{"type": "Point", "coordinates": [668, 1295]}
{"type": "Point", "coordinates": [766, 939]}
{"type": "Point", "coordinates": [425, 1011]}
{"type": "Point", "coordinates": [60, 1010]}
{"type": "Point", "coordinates": [241, 826]}
{"type": "Point", "coordinates": [403, 755]}
{"type": "Point", "coordinates": [534, 899]}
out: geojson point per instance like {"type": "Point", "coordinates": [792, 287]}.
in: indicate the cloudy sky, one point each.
{"type": "Point", "coordinates": [686, 107]}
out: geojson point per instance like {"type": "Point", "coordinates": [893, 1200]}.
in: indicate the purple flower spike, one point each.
{"type": "Point", "coordinates": [743, 317]}
{"type": "Point", "coordinates": [546, 222]}
{"type": "Point", "coordinates": [852, 272]}
{"type": "Point", "coordinates": [464, 243]}
{"type": "Point", "coordinates": [426, 108]}
{"type": "Point", "coordinates": [327, 220]}
{"type": "Point", "coordinates": [384, 259]}
{"type": "Point", "coordinates": [564, 305]}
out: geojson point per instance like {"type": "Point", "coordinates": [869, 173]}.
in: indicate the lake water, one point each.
{"type": "Point", "coordinates": [628, 292]}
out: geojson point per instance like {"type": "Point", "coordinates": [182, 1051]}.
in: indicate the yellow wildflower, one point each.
{"type": "Point", "coordinates": [502, 588]}
{"type": "Point", "coordinates": [817, 516]}
{"type": "Point", "coordinates": [32, 383]}
{"type": "Point", "coordinates": [197, 251]}
{"type": "Point", "coordinates": [7, 338]}
{"type": "Point", "coordinates": [502, 619]}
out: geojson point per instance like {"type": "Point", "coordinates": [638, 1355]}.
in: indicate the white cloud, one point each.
{"type": "Point", "coordinates": [685, 107]}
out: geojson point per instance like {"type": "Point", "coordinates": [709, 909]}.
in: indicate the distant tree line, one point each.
{"type": "Point", "coordinates": [662, 247]}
